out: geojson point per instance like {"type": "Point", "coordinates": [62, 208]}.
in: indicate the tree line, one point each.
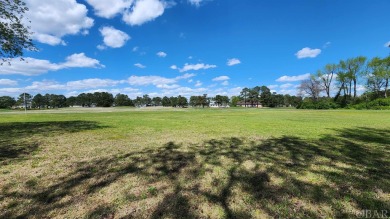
{"type": "Point", "coordinates": [336, 85]}
{"type": "Point", "coordinates": [249, 96]}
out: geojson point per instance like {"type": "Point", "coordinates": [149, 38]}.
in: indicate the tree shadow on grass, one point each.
{"type": "Point", "coordinates": [18, 139]}
{"type": "Point", "coordinates": [288, 177]}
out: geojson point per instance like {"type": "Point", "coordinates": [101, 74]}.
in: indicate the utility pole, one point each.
{"type": "Point", "coordinates": [25, 103]}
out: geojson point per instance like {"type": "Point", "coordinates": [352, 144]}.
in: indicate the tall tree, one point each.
{"type": "Point", "coordinates": [14, 35]}
{"type": "Point", "coordinates": [265, 96]}
{"type": "Point", "coordinates": [326, 76]}
{"type": "Point", "coordinates": [157, 101]}
{"type": "Point", "coordinates": [7, 102]}
{"type": "Point", "coordinates": [38, 101]}
{"type": "Point", "coordinates": [166, 101]}
{"type": "Point", "coordinates": [354, 68]}
{"type": "Point", "coordinates": [244, 94]}
{"type": "Point", "coordinates": [122, 100]}
{"type": "Point", "coordinates": [310, 87]}
{"type": "Point", "coordinates": [25, 99]}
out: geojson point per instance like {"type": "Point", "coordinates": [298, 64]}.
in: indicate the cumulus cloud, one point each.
{"type": "Point", "coordinates": [134, 12]}
{"type": "Point", "coordinates": [307, 53]}
{"type": "Point", "coordinates": [139, 65]}
{"type": "Point", "coordinates": [157, 81]}
{"type": "Point", "coordinates": [174, 67]}
{"type": "Point", "coordinates": [143, 11]}
{"type": "Point", "coordinates": [198, 84]}
{"type": "Point", "coordinates": [221, 78]}
{"type": "Point", "coordinates": [387, 44]}
{"type": "Point", "coordinates": [32, 66]}
{"type": "Point", "coordinates": [233, 61]}
{"type": "Point", "coordinates": [92, 83]}
{"type": "Point", "coordinates": [285, 86]}
{"type": "Point", "coordinates": [195, 67]}
{"type": "Point", "coordinates": [66, 17]}
{"type": "Point", "coordinates": [161, 54]}
{"type": "Point", "coordinates": [293, 78]}
{"type": "Point", "coordinates": [225, 83]}
{"type": "Point", "coordinates": [150, 80]}
{"type": "Point", "coordinates": [113, 38]}
{"type": "Point", "coordinates": [108, 9]}
{"type": "Point", "coordinates": [8, 82]}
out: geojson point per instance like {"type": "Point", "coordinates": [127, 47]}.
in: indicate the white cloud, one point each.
{"type": "Point", "coordinates": [199, 66]}
{"type": "Point", "coordinates": [272, 86]}
{"type": "Point", "coordinates": [285, 86]}
{"type": "Point", "coordinates": [221, 78]}
{"type": "Point", "coordinates": [233, 61]}
{"type": "Point", "coordinates": [195, 2]}
{"type": "Point", "coordinates": [8, 82]}
{"type": "Point", "coordinates": [109, 9]}
{"type": "Point", "coordinates": [135, 49]}
{"type": "Point", "coordinates": [91, 83]}
{"type": "Point", "coordinates": [101, 47]}
{"type": "Point", "coordinates": [113, 38]}
{"type": "Point", "coordinates": [387, 44]}
{"type": "Point", "coordinates": [225, 83]}
{"type": "Point", "coordinates": [198, 84]}
{"type": "Point", "coordinates": [185, 76]}
{"type": "Point", "coordinates": [167, 86]}
{"type": "Point", "coordinates": [307, 53]}
{"type": "Point", "coordinates": [51, 20]}
{"type": "Point", "coordinates": [161, 54]}
{"type": "Point", "coordinates": [32, 66]}
{"type": "Point", "coordinates": [139, 65]}
{"type": "Point", "coordinates": [150, 80]}
{"type": "Point", "coordinates": [156, 80]}
{"type": "Point", "coordinates": [79, 60]}
{"type": "Point", "coordinates": [174, 67]}
{"type": "Point", "coordinates": [143, 11]}
{"type": "Point", "coordinates": [293, 78]}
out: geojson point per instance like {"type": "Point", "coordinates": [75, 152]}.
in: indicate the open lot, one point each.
{"type": "Point", "coordinates": [194, 163]}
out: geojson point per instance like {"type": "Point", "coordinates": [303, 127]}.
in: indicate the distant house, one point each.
{"type": "Point", "coordinates": [249, 104]}
{"type": "Point", "coordinates": [213, 104]}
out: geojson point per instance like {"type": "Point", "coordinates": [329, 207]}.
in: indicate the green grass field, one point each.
{"type": "Point", "coordinates": [194, 163]}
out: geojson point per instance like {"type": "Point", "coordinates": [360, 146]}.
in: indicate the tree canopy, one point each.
{"type": "Point", "coordinates": [15, 36]}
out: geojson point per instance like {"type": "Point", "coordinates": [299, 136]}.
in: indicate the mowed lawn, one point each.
{"type": "Point", "coordinates": [194, 163]}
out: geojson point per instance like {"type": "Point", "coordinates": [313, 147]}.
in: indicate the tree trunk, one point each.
{"type": "Point", "coordinates": [354, 88]}
{"type": "Point", "coordinates": [386, 85]}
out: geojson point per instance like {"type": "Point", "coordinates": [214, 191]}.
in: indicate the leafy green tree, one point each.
{"type": "Point", "coordinates": [354, 67]}
{"type": "Point", "coordinates": [265, 96]}
{"type": "Point", "coordinates": [147, 100]}
{"type": "Point", "coordinates": [7, 102]}
{"type": "Point", "coordinates": [103, 99]}
{"type": "Point", "coordinates": [122, 100]}
{"type": "Point", "coordinates": [138, 101]}
{"type": "Point", "coordinates": [38, 101]}
{"type": "Point", "coordinates": [14, 35]}
{"type": "Point", "coordinates": [194, 101]}
{"type": "Point", "coordinates": [234, 101]}
{"type": "Point", "coordinates": [25, 100]}
{"type": "Point", "coordinates": [174, 101]}
{"type": "Point", "coordinates": [244, 94]}
{"type": "Point", "coordinates": [157, 101]}
{"type": "Point", "coordinates": [182, 101]}
{"type": "Point", "coordinates": [166, 101]}
{"type": "Point", "coordinates": [326, 76]}
{"type": "Point", "coordinates": [71, 101]}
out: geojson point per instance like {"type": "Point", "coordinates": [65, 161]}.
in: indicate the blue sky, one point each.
{"type": "Point", "coordinates": [191, 47]}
